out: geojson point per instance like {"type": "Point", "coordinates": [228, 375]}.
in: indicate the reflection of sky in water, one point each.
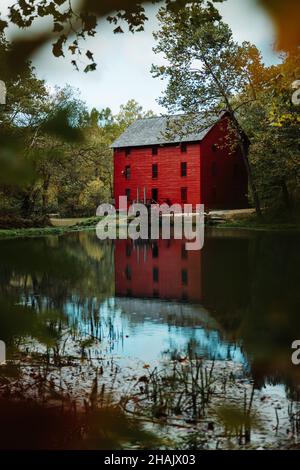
{"type": "Point", "coordinates": [148, 339]}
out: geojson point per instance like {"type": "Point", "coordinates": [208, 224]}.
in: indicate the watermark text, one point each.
{"type": "Point", "coordinates": [139, 221]}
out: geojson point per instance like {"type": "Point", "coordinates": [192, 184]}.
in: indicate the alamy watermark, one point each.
{"type": "Point", "coordinates": [296, 354]}
{"type": "Point", "coordinates": [140, 221]}
{"type": "Point", "coordinates": [296, 94]}
{"type": "Point", "coordinates": [2, 352]}
{"type": "Point", "coordinates": [3, 93]}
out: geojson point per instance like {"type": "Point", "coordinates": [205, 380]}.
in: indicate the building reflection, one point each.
{"type": "Point", "coordinates": [243, 285]}
{"type": "Point", "coordinates": [161, 269]}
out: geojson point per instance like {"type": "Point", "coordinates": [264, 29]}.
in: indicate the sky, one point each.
{"type": "Point", "coordinates": [124, 61]}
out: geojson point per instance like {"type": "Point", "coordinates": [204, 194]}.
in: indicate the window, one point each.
{"type": "Point", "coordinates": [154, 194]}
{"type": "Point", "coordinates": [183, 169]}
{"type": "Point", "coordinates": [128, 250]}
{"type": "Point", "coordinates": [127, 172]}
{"type": "Point", "coordinates": [184, 252]}
{"type": "Point", "coordinates": [184, 277]}
{"type": "Point", "coordinates": [127, 193]}
{"type": "Point", "coordinates": [155, 250]}
{"type": "Point", "coordinates": [183, 194]}
{"type": "Point", "coordinates": [128, 273]}
{"type": "Point", "coordinates": [155, 274]}
{"type": "Point", "coordinates": [154, 150]}
{"type": "Point", "coordinates": [127, 151]}
{"type": "Point", "coordinates": [154, 170]}
{"type": "Point", "coordinates": [214, 169]}
{"type": "Point", "coordinates": [183, 147]}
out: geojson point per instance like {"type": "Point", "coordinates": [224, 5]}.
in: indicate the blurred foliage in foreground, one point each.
{"type": "Point", "coordinates": [285, 16]}
{"type": "Point", "coordinates": [55, 156]}
{"type": "Point", "coordinates": [72, 22]}
{"type": "Point", "coordinates": [63, 427]}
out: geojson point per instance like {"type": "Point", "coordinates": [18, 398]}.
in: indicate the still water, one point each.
{"type": "Point", "coordinates": [236, 300]}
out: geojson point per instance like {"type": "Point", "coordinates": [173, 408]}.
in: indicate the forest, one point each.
{"type": "Point", "coordinates": [55, 153]}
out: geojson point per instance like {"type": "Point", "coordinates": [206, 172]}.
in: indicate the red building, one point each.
{"type": "Point", "coordinates": [158, 269]}
{"type": "Point", "coordinates": [197, 168]}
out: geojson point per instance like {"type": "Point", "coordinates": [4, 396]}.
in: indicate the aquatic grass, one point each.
{"type": "Point", "coordinates": [184, 389]}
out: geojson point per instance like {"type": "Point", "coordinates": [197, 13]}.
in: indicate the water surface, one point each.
{"type": "Point", "coordinates": [236, 300]}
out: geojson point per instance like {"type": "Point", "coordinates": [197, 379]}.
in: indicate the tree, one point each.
{"type": "Point", "coordinates": [54, 154]}
{"type": "Point", "coordinates": [84, 178]}
{"type": "Point", "coordinates": [34, 128]}
{"type": "Point", "coordinates": [87, 176]}
{"type": "Point", "coordinates": [208, 72]}
{"type": "Point", "coordinates": [129, 113]}
{"type": "Point", "coordinates": [25, 92]}
{"type": "Point", "coordinates": [49, 150]}
{"type": "Point", "coordinates": [26, 103]}
{"type": "Point", "coordinates": [272, 122]}
{"type": "Point", "coordinates": [80, 20]}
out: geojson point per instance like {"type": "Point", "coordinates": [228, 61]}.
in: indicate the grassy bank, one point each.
{"type": "Point", "coordinates": [58, 227]}
{"type": "Point", "coordinates": [37, 232]}
{"type": "Point", "coordinates": [65, 226]}
{"type": "Point", "coordinates": [245, 222]}
{"type": "Point", "coordinates": [251, 222]}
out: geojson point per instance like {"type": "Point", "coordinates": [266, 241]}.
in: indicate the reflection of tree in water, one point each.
{"type": "Point", "coordinates": [56, 287]}
{"type": "Point", "coordinates": [252, 287]}
{"type": "Point", "coordinates": [42, 280]}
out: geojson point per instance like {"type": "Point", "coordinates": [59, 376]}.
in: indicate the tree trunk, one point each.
{"type": "Point", "coordinates": [286, 195]}
{"type": "Point", "coordinates": [45, 194]}
{"type": "Point", "coordinates": [26, 208]}
{"type": "Point", "coordinates": [28, 202]}
{"type": "Point", "coordinates": [245, 154]}
{"type": "Point", "coordinates": [244, 147]}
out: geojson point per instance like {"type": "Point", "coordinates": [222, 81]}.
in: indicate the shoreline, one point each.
{"type": "Point", "coordinates": [9, 234]}
{"type": "Point", "coordinates": [238, 225]}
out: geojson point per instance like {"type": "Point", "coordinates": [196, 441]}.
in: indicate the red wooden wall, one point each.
{"type": "Point", "coordinates": [169, 181]}
{"type": "Point", "coordinates": [224, 182]}
{"type": "Point", "coordinates": [161, 269]}
{"type": "Point", "coordinates": [214, 176]}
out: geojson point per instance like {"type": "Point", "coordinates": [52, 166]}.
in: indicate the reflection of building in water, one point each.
{"type": "Point", "coordinates": [147, 274]}
{"type": "Point", "coordinates": [159, 269]}
{"type": "Point", "coordinates": [173, 313]}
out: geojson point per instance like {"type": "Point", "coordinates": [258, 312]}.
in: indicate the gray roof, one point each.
{"type": "Point", "coordinates": [156, 131]}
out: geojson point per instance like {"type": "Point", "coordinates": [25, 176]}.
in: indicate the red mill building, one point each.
{"type": "Point", "coordinates": [158, 269]}
{"type": "Point", "coordinates": [192, 169]}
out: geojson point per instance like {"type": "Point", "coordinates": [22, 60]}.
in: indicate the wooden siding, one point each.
{"type": "Point", "coordinates": [215, 177]}
{"type": "Point", "coordinates": [169, 180]}
{"type": "Point", "coordinates": [224, 182]}
{"type": "Point", "coordinates": [178, 271]}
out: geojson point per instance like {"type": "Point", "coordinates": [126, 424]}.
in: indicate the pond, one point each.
{"type": "Point", "coordinates": [79, 315]}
